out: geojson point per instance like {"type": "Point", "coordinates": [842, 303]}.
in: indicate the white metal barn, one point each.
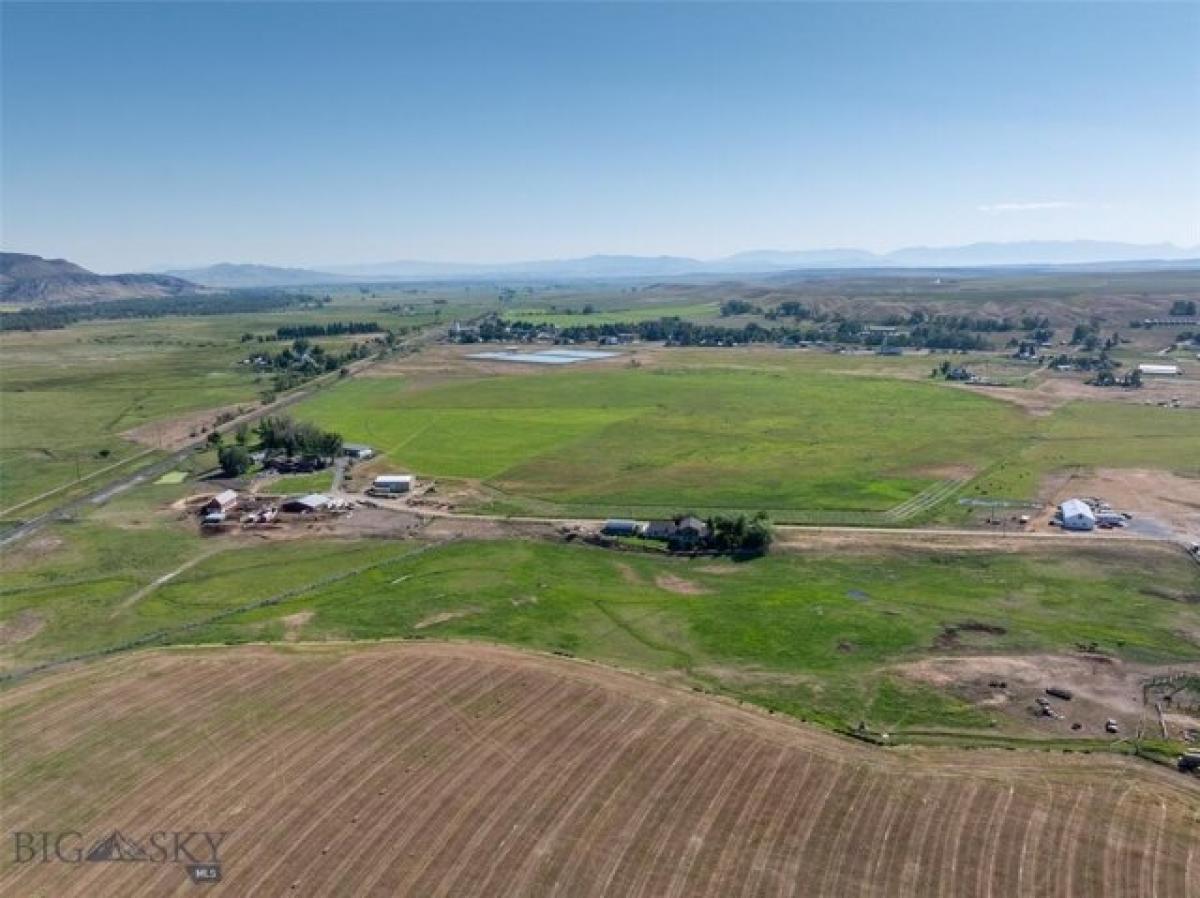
{"type": "Point", "coordinates": [393, 483]}
{"type": "Point", "coordinates": [1159, 370]}
{"type": "Point", "coordinates": [1077, 515]}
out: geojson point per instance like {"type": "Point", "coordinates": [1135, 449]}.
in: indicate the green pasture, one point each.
{"type": "Point", "coordinates": [799, 434]}
{"type": "Point", "coordinates": [710, 438]}
{"type": "Point", "coordinates": [1084, 435]}
{"type": "Point", "coordinates": [299, 484]}
{"type": "Point", "coordinates": [817, 637]}
{"type": "Point", "coordinates": [66, 396]}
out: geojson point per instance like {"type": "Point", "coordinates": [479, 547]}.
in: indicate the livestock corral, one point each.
{"type": "Point", "coordinates": [428, 769]}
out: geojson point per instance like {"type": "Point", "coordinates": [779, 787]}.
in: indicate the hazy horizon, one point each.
{"type": "Point", "coordinates": [320, 135]}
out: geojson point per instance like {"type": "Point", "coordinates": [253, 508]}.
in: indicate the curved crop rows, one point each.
{"type": "Point", "coordinates": [465, 770]}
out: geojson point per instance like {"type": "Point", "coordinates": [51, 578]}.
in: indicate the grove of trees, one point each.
{"type": "Point", "coordinates": [282, 432]}
{"type": "Point", "coordinates": [234, 460]}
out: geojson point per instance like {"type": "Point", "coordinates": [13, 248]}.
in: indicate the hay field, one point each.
{"type": "Point", "coordinates": [454, 770]}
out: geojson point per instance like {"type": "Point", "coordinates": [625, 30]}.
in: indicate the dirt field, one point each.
{"type": "Point", "coordinates": [1055, 389]}
{"type": "Point", "coordinates": [428, 769]}
{"type": "Point", "coordinates": [1102, 688]}
{"type": "Point", "coordinates": [1164, 500]}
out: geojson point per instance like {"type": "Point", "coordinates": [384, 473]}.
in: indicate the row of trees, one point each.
{"type": "Point", "coordinates": [332, 329]}
{"type": "Point", "coordinates": [678, 332]}
{"type": "Point", "coordinates": [237, 302]}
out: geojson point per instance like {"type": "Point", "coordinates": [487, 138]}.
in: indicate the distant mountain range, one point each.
{"type": "Point", "coordinates": [975, 255]}
{"type": "Point", "coordinates": [230, 275]}
{"type": "Point", "coordinates": [34, 281]}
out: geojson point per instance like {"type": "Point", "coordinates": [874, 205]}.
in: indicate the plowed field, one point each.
{"type": "Point", "coordinates": [439, 770]}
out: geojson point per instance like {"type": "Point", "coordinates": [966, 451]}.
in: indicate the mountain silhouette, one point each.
{"type": "Point", "coordinates": [117, 847]}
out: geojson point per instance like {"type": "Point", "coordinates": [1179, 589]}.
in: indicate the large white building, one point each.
{"type": "Point", "coordinates": [392, 483]}
{"type": "Point", "coordinates": [1077, 515]}
{"type": "Point", "coordinates": [1162, 370]}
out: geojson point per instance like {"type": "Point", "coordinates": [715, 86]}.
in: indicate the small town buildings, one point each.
{"type": "Point", "coordinates": [222, 502]}
{"type": "Point", "coordinates": [1165, 370]}
{"type": "Point", "coordinates": [306, 504]}
{"type": "Point", "coordinates": [392, 484]}
{"type": "Point", "coordinates": [357, 451]}
{"type": "Point", "coordinates": [1077, 515]}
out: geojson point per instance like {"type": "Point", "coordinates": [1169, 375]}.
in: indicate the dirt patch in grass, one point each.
{"type": "Point", "coordinates": [1035, 400]}
{"type": "Point", "coordinates": [1171, 595]}
{"type": "Point", "coordinates": [22, 627]}
{"type": "Point", "coordinates": [955, 635]}
{"type": "Point", "coordinates": [628, 574]}
{"type": "Point", "coordinates": [293, 623]}
{"type": "Point", "coordinates": [1102, 687]}
{"type": "Point", "coordinates": [721, 570]}
{"type": "Point", "coordinates": [180, 431]}
{"type": "Point", "coordinates": [678, 585]}
{"type": "Point", "coordinates": [441, 617]}
{"type": "Point", "coordinates": [40, 546]}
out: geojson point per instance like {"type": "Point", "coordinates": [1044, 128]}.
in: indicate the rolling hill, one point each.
{"type": "Point", "coordinates": [33, 281]}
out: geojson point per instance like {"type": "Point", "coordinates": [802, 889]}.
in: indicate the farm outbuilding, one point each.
{"type": "Point", "coordinates": [310, 503]}
{"type": "Point", "coordinates": [1159, 370]}
{"type": "Point", "coordinates": [392, 483]}
{"type": "Point", "coordinates": [1077, 515]}
{"type": "Point", "coordinates": [357, 451]}
{"type": "Point", "coordinates": [221, 502]}
{"type": "Point", "coordinates": [621, 527]}
{"type": "Point", "coordinates": [663, 530]}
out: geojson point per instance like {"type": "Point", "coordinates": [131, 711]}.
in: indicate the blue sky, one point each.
{"type": "Point", "coordinates": [309, 134]}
